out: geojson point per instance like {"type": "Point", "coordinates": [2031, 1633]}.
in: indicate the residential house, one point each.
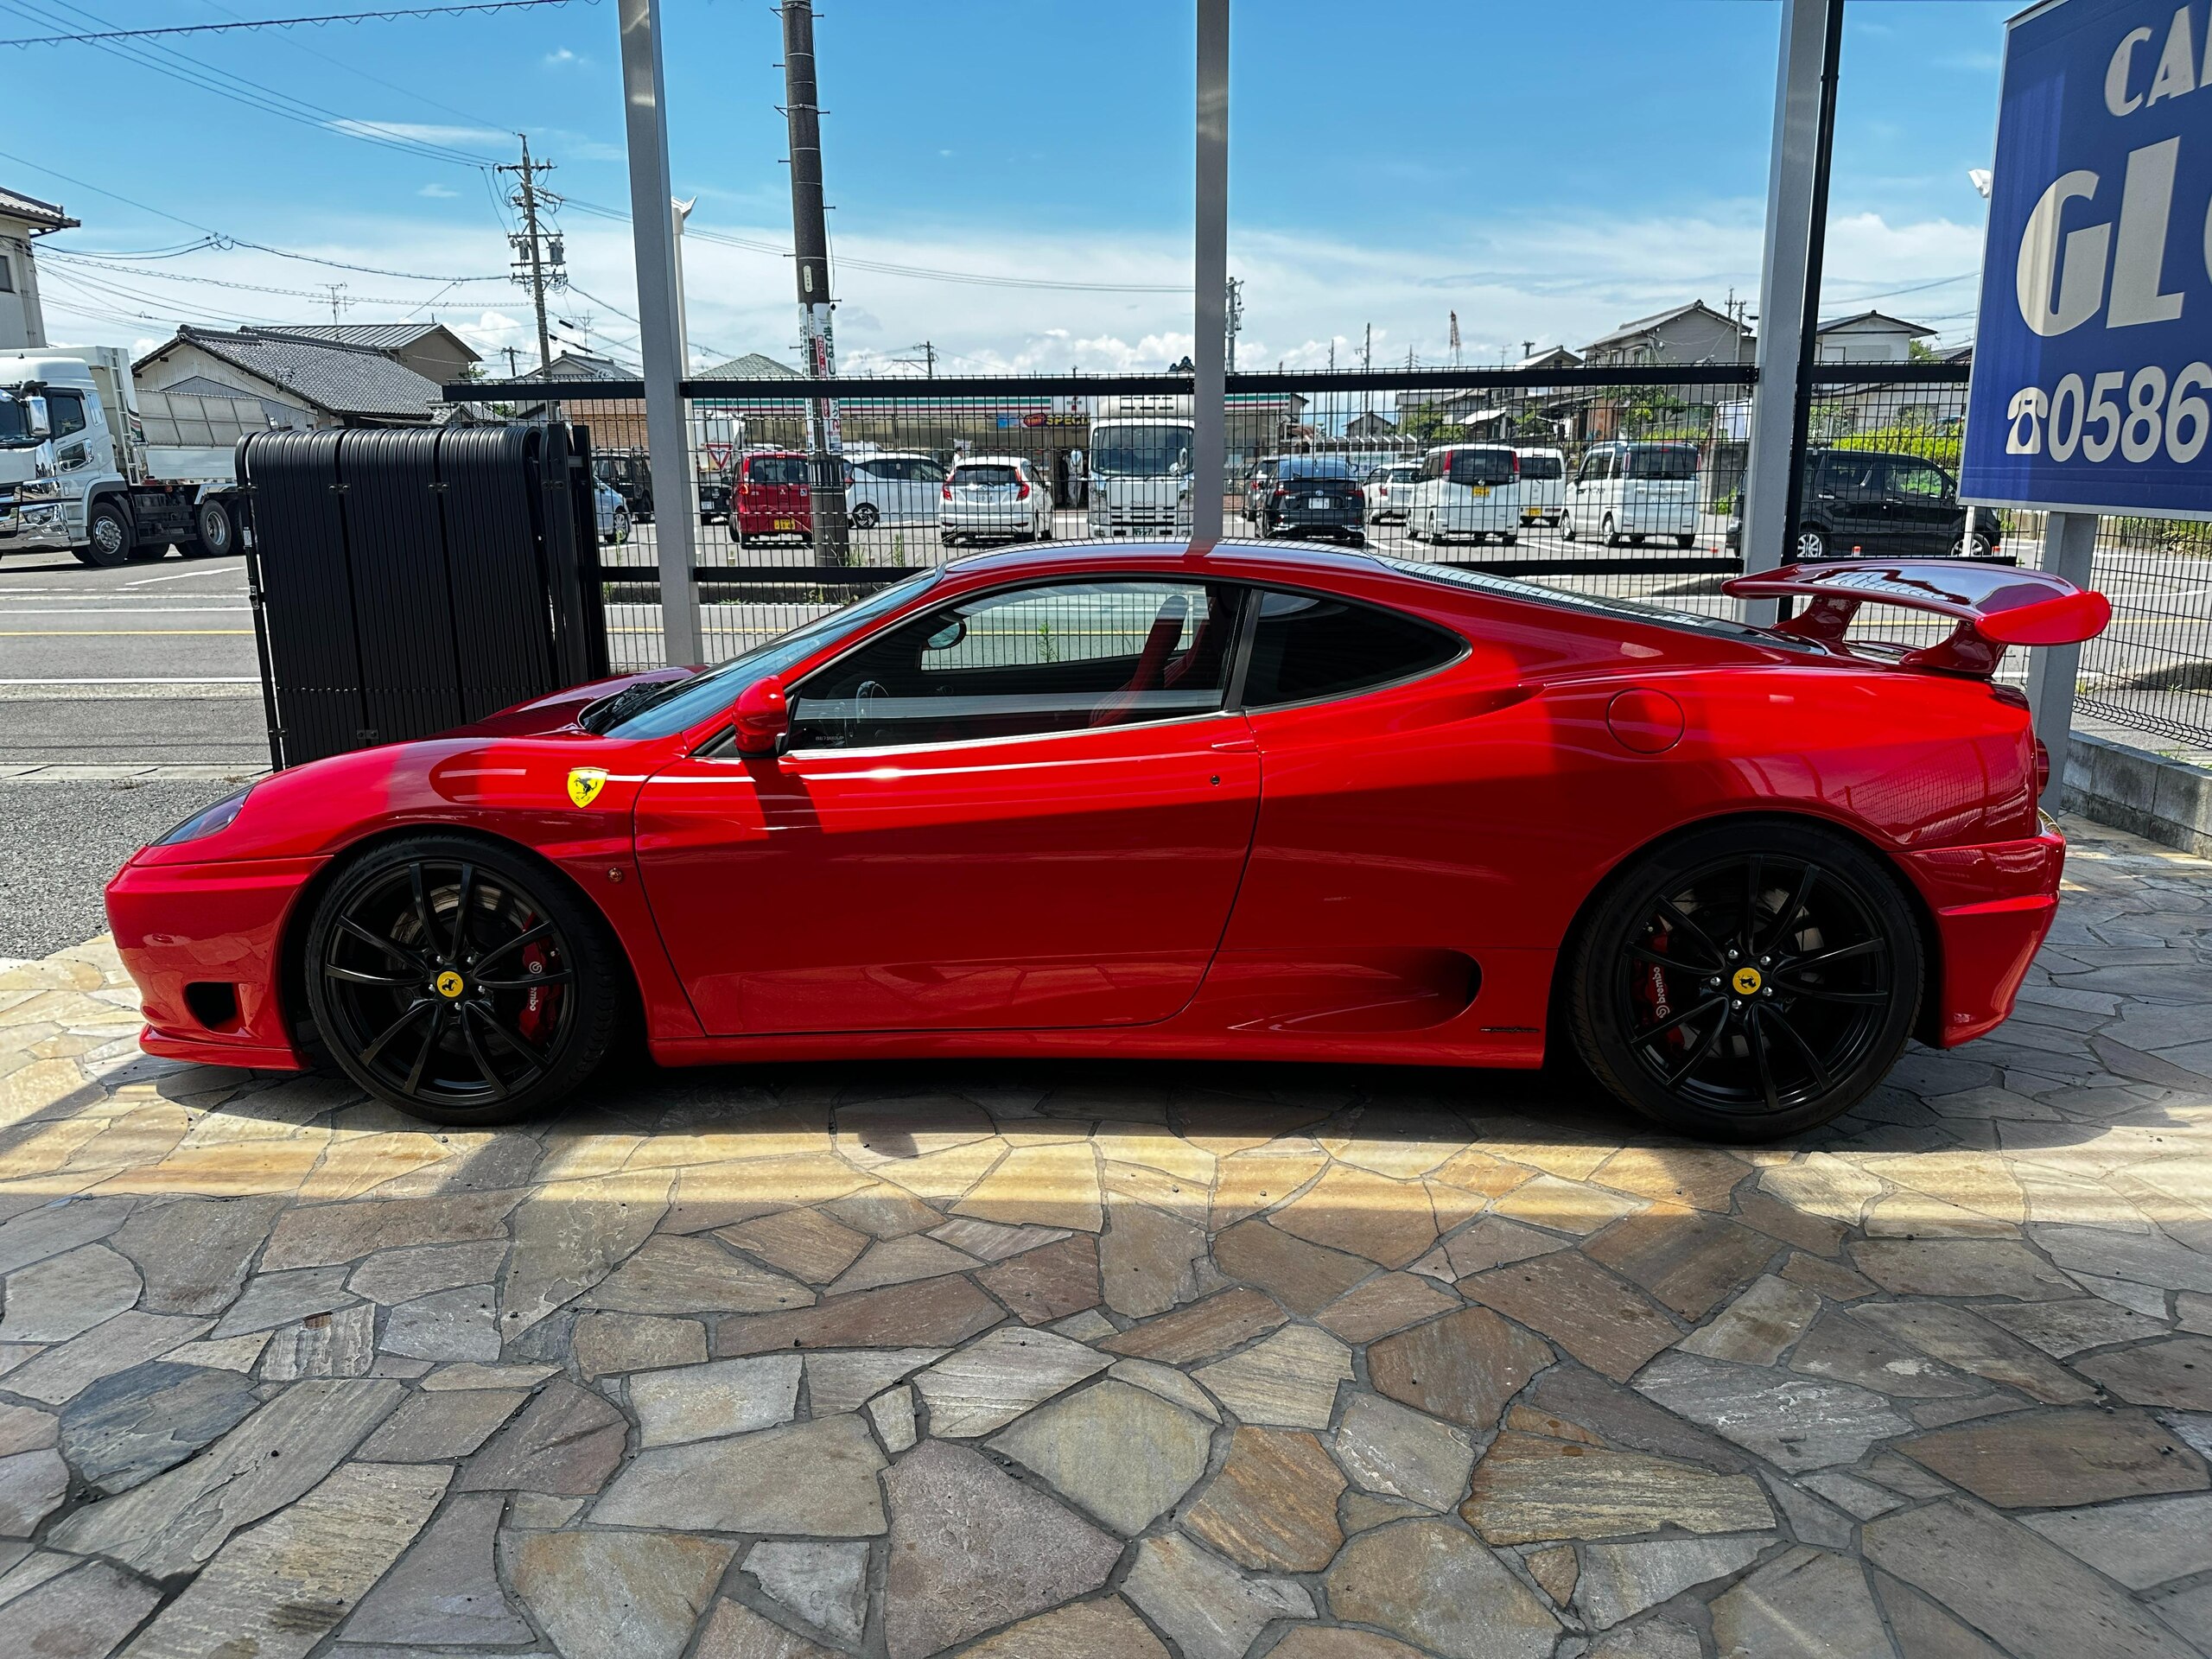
{"type": "Point", "coordinates": [23, 322]}
{"type": "Point", "coordinates": [301, 380]}
{"type": "Point", "coordinates": [1690, 335]}
{"type": "Point", "coordinates": [431, 349]}
{"type": "Point", "coordinates": [1870, 337]}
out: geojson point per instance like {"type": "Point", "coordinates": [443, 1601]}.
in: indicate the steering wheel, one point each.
{"type": "Point", "coordinates": [864, 736]}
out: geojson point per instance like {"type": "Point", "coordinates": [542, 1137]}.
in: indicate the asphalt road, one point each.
{"type": "Point", "coordinates": [149, 663]}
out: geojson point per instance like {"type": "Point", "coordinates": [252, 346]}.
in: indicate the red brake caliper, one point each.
{"type": "Point", "coordinates": [538, 1009]}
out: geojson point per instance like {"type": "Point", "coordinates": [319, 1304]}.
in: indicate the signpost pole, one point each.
{"type": "Point", "coordinates": [1209, 347]}
{"type": "Point", "coordinates": [660, 326]}
{"type": "Point", "coordinates": [2069, 546]}
{"type": "Point", "coordinates": [1785, 303]}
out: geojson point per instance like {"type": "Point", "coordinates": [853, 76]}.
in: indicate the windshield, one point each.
{"type": "Point", "coordinates": [1140, 451]}
{"type": "Point", "coordinates": [1672, 460]}
{"type": "Point", "coordinates": [1542, 466]}
{"type": "Point", "coordinates": [685, 703]}
{"type": "Point", "coordinates": [1316, 466]}
{"type": "Point", "coordinates": [15, 421]}
{"type": "Point", "coordinates": [1400, 474]}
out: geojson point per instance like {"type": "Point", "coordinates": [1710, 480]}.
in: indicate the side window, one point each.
{"type": "Point", "coordinates": [1918, 479]}
{"type": "Point", "coordinates": [66, 410]}
{"type": "Point", "coordinates": [1434, 466]}
{"type": "Point", "coordinates": [1596, 467]}
{"type": "Point", "coordinates": [1309, 645]}
{"type": "Point", "coordinates": [1055, 658]}
{"type": "Point", "coordinates": [928, 471]}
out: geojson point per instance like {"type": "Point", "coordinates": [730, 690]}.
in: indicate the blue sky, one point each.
{"type": "Point", "coordinates": [1546, 171]}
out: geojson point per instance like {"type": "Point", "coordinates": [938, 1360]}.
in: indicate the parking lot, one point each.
{"type": "Point", "coordinates": [1086, 1360]}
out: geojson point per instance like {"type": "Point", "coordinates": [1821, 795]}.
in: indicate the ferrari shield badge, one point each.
{"type": "Point", "coordinates": [584, 784]}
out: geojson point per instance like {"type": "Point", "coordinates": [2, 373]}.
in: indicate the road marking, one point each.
{"type": "Point", "coordinates": [174, 610]}
{"type": "Point", "coordinates": [196, 680]}
{"type": "Point", "coordinates": [178, 575]}
{"type": "Point", "coordinates": [108, 633]}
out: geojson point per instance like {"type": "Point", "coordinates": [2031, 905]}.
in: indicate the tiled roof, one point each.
{"type": "Point", "coordinates": [754, 365]}
{"type": "Point", "coordinates": [14, 204]}
{"type": "Point", "coordinates": [375, 336]}
{"type": "Point", "coordinates": [340, 380]}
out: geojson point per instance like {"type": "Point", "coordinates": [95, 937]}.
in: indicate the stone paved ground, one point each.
{"type": "Point", "coordinates": [1093, 1362]}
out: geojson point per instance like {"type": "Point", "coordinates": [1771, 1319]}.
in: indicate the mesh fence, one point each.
{"type": "Point", "coordinates": [1624, 480]}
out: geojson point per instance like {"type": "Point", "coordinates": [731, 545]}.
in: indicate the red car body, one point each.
{"type": "Point", "coordinates": [1384, 876]}
{"type": "Point", "coordinates": [769, 497]}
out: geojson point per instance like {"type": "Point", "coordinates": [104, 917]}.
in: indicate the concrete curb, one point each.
{"type": "Point", "coordinates": [2161, 799]}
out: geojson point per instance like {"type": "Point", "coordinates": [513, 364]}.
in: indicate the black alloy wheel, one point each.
{"type": "Point", "coordinates": [865, 515]}
{"type": "Point", "coordinates": [1748, 982]}
{"type": "Point", "coordinates": [449, 978]}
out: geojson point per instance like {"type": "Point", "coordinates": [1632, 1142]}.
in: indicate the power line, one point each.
{"type": "Point", "coordinates": [57, 255]}
{"type": "Point", "coordinates": [387, 16]}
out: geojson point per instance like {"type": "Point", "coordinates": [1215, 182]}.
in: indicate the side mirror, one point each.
{"type": "Point", "coordinates": [763, 717]}
{"type": "Point", "coordinates": [41, 423]}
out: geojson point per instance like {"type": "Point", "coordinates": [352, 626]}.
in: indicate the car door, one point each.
{"type": "Point", "coordinates": [925, 484]}
{"type": "Point", "coordinates": [1925, 516]}
{"type": "Point", "coordinates": [1026, 807]}
{"type": "Point", "coordinates": [1848, 497]}
{"type": "Point", "coordinates": [1371, 886]}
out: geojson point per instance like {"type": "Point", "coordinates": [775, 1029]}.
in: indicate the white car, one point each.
{"type": "Point", "coordinates": [1467, 489]}
{"type": "Point", "coordinates": [884, 486]}
{"type": "Point", "coordinates": [994, 498]}
{"type": "Point", "coordinates": [1543, 486]}
{"type": "Point", "coordinates": [1388, 489]}
{"type": "Point", "coordinates": [1625, 492]}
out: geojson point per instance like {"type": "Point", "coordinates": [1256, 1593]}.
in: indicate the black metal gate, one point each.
{"type": "Point", "coordinates": [408, 582]}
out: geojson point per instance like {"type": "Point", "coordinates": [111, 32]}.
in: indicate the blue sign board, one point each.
{"type": "Point", "coordinates": [2092, 360]}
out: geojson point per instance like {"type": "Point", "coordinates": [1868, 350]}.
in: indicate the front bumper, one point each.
{"type": "Point", "coordinates": [179, 927]}
{"type": "Point", "coordinates": [1992, 906]}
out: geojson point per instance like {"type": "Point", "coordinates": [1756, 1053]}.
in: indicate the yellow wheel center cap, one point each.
{"type": "Point", "coordinates": [1746, 981]}
{"type": "Point", "coordinates": [451, 984]}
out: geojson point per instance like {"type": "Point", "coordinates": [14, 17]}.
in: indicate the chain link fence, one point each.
{"type": "Point", "coordinates": [1624, 480]}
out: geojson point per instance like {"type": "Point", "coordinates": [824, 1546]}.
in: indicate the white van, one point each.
{"type": "Point", "coordinates": [1543, 486]}
{"type": "Point", "coordinates": [1470, 490]}
{"type": "Point", "coordinates": [1625, 492]}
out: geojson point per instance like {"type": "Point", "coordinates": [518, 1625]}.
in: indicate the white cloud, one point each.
{"type": "Point", "coordinates": [562, 58]}
{"type": "Point", "coordinates": [437, 192]}
{"type": "Point", "coordinates": [420, 132]}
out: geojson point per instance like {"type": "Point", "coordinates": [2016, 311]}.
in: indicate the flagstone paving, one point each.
{"type": "Point", "coordinates": [1123, 1362]}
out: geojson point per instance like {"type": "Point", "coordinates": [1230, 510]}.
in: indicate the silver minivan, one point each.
{"type": "Point", "coordinates": [1626, 492]}
{"type": "Point", "coordinates": [1467, 489]}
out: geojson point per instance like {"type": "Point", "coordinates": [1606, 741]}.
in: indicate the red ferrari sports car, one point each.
{"type": "Point", "coordinates": [1250, 802]}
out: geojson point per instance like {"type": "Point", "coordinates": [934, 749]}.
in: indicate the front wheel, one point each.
{"type": "Point", "coordinates": [866, 517]}
{"type": "Point", "coordinates": [1812, 543]}
{"type": "Point", "coordinates": [458, 983]}
{"type": "Point", "coordinates": [1748, 982]}
{"type": "Point", "coordinates": [1685, 541]}
{"type": "Point", "coordinates": [1566, 527]}
{"type": "Point", "coordinates": [1983, 547]}
{"type": "Point", "coordinates": [1608, 533]}
{"type": "Point", "coordinates": [107, 536]}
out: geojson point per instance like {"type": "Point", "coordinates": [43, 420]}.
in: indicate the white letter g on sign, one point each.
{"type": "Point", "coordinates": [2081, 290]}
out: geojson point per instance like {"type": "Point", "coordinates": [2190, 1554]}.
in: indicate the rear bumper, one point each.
{"type": "Point", "coordinates": [1992, 906]}
{"type": "Point", "coordinates": [182, 926]}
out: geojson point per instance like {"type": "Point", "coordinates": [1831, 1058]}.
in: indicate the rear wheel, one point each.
{"type": "Point", "coordinates": [866, 517]}
{"type": "Point", "coordinates": [1812, 543]}
{"type": "Point", "coordinates": [1608, 532]}
{"type": "Point", "coordinates": [1748, 982]}
{"type": "Point", "coordinates": [1983, 547]}
{"type": "Point", "coordinates": [214, 537]}
{"type": "Point", "coordinates": [453, 979]}
{"type": "Point", "coordinates": [1567, 526]}
{"type": "Point", "coordinates": [1685, 541]}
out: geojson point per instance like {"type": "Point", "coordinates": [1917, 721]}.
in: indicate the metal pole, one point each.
{"type": "Point", "coordinates": [2069, 546]}
{"type": "Point", "coordinates": [1209, 347]}
{"type": "Point", "coordinates": [660, 336]}
{"type": "Point", "coordinates": [1817, 242]}
{"type": "Point", "coordinates": [810, 241]}
{"type": "Point", "coordinates": [1793, 167]}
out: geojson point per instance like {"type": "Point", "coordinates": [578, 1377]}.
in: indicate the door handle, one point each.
{"type": "Point", "coordinates": [1243, 745]}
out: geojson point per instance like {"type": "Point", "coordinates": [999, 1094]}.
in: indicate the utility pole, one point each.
{"type": "Point", "coordinates": [336, 291]}
{"type": "Point", "coordinates": [539, 254]}
{"type": "Point", "coordinates": [511, 360]}
{"type": "Point", "coordinates": [1235, 321]}
{"type": "Point", "coordinates": [810, 241]}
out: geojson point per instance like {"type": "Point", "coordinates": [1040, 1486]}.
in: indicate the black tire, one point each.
{"type": "Point", "coordinates": [1566, 527]}
{"type": "Point", "coordinates": [1983, 547]}
{"type": "Point", "coordinates": [108, 537]}
{"type": "Point", "coordinates": [1685, 541]}
{"type": "Point", "coordinates": [1606, 533]}
{"type": "Point", "coordinates": [214, 532]}
{"type": "Point", "coordinates": [1511, 539]}
{"type": "Point", "coordinates": [865, 517]}
{"type": "Point", "coordinates": [1812, 542]}
{"type": "Point", "coordinates": [389, 959]}
{"type": "Point", "coordinates": [1781, 1008]}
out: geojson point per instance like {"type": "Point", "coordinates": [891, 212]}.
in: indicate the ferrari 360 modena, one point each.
{"type": "Point", "coordinates": [1245, 802]}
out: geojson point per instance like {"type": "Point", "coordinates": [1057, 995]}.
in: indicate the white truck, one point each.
{"type": "Point", "coordinates": [1140, 468]}
{"type": "Point", "coordinates": [90, 464]}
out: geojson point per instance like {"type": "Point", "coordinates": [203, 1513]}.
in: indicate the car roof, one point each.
{"type": "Point", "coordinates": [1246, 560]}
{"type": "Point", "coordinates": [990, 460]}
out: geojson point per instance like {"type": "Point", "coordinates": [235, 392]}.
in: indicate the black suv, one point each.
{"type": "Point", "coordinates": [1878, 503]}
{"type": "Point", "coordinates": [1315, 497]}
{"type": "Point", "coordinates": [629, 473]}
